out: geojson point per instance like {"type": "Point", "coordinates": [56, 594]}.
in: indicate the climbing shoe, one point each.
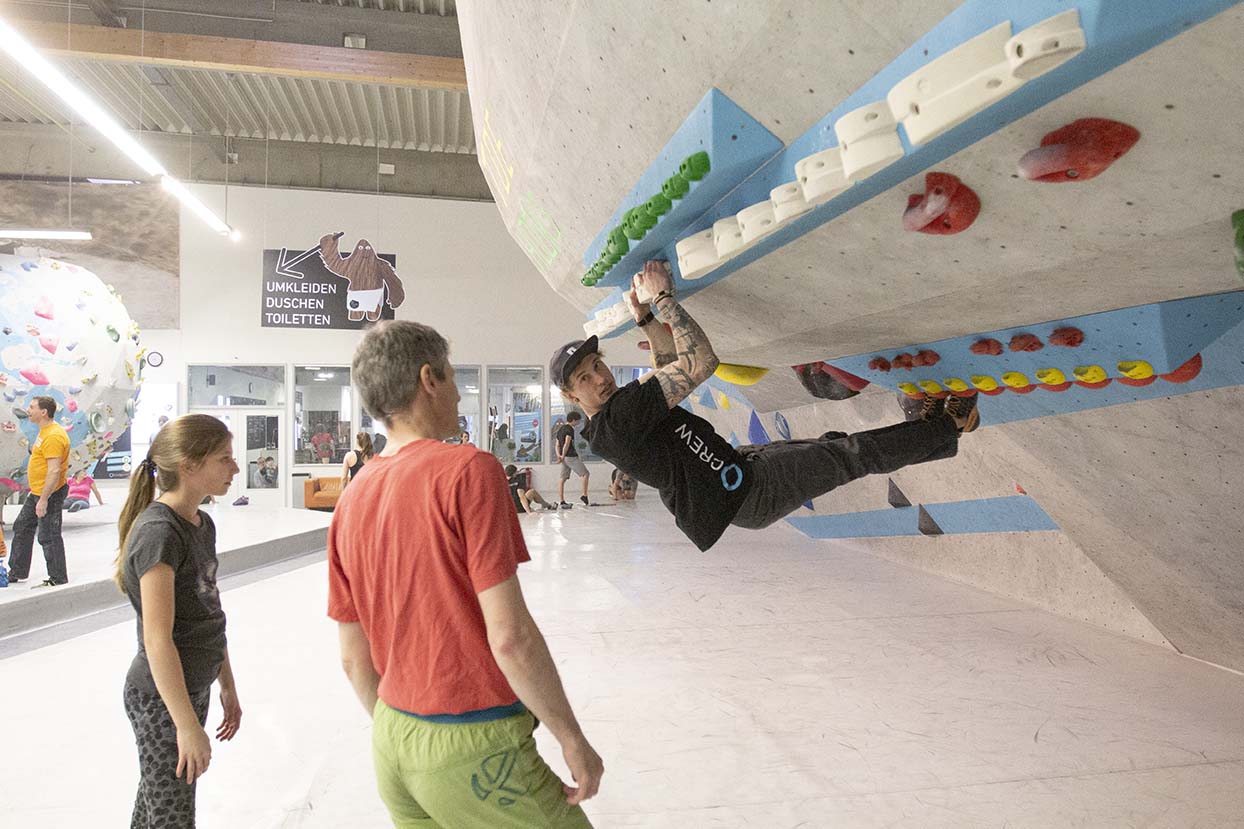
{"type": "Point", "coordinates": [963, 409]}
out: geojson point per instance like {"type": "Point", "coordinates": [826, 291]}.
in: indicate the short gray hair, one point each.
{"type": "Point", "coordinates": [387, 364]}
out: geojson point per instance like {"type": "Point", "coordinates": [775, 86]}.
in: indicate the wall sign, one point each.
{"type": "Point", "coordinates": [321, 288]}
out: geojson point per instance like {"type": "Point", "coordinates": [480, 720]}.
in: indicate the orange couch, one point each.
{"type": "Point", "coordinates": [321, 493]}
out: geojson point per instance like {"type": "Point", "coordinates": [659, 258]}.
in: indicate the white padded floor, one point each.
{"type": "Point", "coordinates": [773, 682]}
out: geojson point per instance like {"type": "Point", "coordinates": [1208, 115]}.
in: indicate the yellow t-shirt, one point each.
{"type": "Point", "coordinates": [52, 443]}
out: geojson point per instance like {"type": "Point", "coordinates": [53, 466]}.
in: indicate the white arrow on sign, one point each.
{"type": "Point", "coordinates": [285, 265]}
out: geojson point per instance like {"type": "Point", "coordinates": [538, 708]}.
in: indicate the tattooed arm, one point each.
{"type": "Point", "coordinates": [664, 351]}
{"type": "Point", "coordinates": [692, 360]}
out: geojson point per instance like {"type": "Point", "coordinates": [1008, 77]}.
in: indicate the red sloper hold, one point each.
{"type": "Point", "coordinates": [1100, 385]}
{"type": "Point", "coordinates": [1067, 337]}
{"type": "Point", "coordinates": [991, 348]}
{"type": "Point", "coordinates": [925, 357]}
{"type": "Point", "coordinates": [903, 361]}
{"type": "Point", "coordinates": [846, 378]}
{"type": "Point", "coordinates": [946, 207]}
{"type": "Point", "coordinates": [1026, 342]}
{"type": "Point", "coordinates": [1057, 387]}
{"type": "Point", "coordinates": [1128, 381]}
{"type": "Point", "coordinates": [1188, 371]}
{"type": "Point", "coordinates": [878, 364]}
{"type": "Point", "coordinates": [1079, 151]}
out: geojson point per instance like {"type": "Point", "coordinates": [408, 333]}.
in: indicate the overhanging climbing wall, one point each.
{"type": "Point", "coordinates": [1086, 171]}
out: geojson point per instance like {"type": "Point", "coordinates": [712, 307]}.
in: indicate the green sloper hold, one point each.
{"type": "Point", "coordinates": [659, 205]}
{"type": "Point", "coordinates": [675, 187]}
{"type": "Point", "coordinates": [617, 243]}
{"type": "Point", "coordinates": [1237, 221]}
{"type": "Point", "coordinates": [635, 223]}
{"type": "Point", "coordinates": [695, 166]}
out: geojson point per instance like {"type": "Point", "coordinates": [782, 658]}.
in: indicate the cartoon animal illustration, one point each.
{"type": "Point", "coordinates": [368, 276]}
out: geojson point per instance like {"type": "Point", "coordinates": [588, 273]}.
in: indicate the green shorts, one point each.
{"type": "Point", "coordinates": [487, 775]}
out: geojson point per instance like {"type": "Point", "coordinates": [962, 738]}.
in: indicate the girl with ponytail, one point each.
{"type": "Point", "coordinates": [166, 565]}
{"type": "Point", "coordinates": [355, 458]}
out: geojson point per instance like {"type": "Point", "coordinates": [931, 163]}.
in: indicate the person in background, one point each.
{"type": "Point", "coordinates": [436, 638]}
{"type": "Point", "coordinates": [623, 486]}
{"type": "Point", "coordinates": [323, 443]}
{"type": "Point", "coordinates": [568, 457]}
{"type": "Point", "coordinates": [81, 488]}
{"type": "Point", "coordinates": [41, 511]}
{"type": "Point", "coordinates": [166, 566]}
{"type": "Point", "coordinates": [523, 497]}
{"type": "Point", "coordinates": [354, 460]}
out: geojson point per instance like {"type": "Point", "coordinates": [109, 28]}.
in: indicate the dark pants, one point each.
{"type": "Point", "coordinates": [164, 801]}
{"type": "Point", "coordinates": [48, 528]}
{"type": "Point", "coordinates": [787, 473]}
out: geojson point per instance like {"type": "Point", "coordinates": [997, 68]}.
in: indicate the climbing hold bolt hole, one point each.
{"type": "Point", "coordinates": [818, 166]}
{"type": "Point", "coordinates": [915, 109]}
{"type": "Point", "coordinates": [872, 116]}
{"type": "Point", "coordinates": [937, 191]}
{"type": "Point", "coordinates": [1050, 45]}
{"type": "Point", "coordinates": [1019, 50]}
{"type": "Point", "coordinates": [993, 83]}
{"type": "Point", "coordinates": [734, 138]}
{"type": "Point", "coordinates": [1073, 174]}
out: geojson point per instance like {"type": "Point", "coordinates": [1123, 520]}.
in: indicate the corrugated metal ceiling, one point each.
{"type": "Point", "coordinates": [445, 8]}
{"type": "Point", "coordinates": [203, 102]}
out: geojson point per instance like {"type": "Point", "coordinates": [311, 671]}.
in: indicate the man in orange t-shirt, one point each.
{"type": "Point", "coordinates": [436, 638]}
{"type": "Point", "coordinates": [46, 473]}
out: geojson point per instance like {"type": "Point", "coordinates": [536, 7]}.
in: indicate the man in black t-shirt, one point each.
{"type": "Point", "coordinates": [705, 482]}
{"type": "Point", "coordinates": [523, 497]}
{"type": "Point", "coordinates": [568, 457]}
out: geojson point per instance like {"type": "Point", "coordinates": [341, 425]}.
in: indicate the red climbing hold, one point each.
{"type": "Point", "coordinates": [1079, 151]}
{"type": "Point", "coordinates": [1128, 381]}
{"type": "Point", "coordinates": [878, 364]}
{"type": "Point", "coordinates": [991, 348]}
{"type": "Point", "coordinates": [1023, 389]}
{"type": "Point", "coordinates": [1184, 373]}
{"type": "Point", "coordinates": [43, 308]}
{"type": "Point", "coordinates": [925, 357]}
{"type": "Point", "coordinates": [1056, 387]}
{"type": "Point", "coordinates": [1067, 337]}
{"type": "Point", "coordinates": [50, 343]}
{"type": "Point", "coordinates": [35, 375]}
{"type": "Point", "coordinates": [846, 378]}
{"type": "Point", "coordinates": [946, 207]}
{"type": "Point", "coordinates": [994, 392]}
{"type": "Point", "coordinates": [903, 360]}
{"type": "Point", "coordinates": [1099, 385]}
{"type": "Point", "coordinates": [1026, 342]}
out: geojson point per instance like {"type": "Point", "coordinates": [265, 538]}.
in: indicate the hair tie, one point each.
{"type": "Point", "coordinates": [150, 465]}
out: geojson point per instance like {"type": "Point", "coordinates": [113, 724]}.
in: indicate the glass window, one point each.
{"type": "Point", "coordinates": [323, 402]}
{"type": "Point", "coordinates": [236, 386]}
{"type": "Point", "coordinates": [515, 409]}
{"type": "Point", "coordinates": [467, 380]}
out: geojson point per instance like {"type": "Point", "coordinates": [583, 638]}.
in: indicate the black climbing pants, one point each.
{"type": "Point", "coordinates": [164, 801]}
{"type": "Point", "coordinates": [787, 473]}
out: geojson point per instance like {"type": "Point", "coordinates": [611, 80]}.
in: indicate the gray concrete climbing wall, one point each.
{"type": "Point", "coordinates": [573, 103]}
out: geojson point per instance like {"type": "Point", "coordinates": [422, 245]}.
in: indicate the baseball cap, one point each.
{"type": "Point", "coordinates": [567, 358]}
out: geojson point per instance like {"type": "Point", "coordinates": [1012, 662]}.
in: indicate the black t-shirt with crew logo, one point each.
{"type": "Point", "coordinates": [566, 431]}
{"type": "Point", "coordinates": [701, 477]}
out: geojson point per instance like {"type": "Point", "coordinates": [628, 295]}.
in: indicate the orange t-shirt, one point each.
{"type": "Point", "coordinates": [413, 539]}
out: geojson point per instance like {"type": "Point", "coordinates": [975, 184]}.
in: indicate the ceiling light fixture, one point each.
{"type": "Point", "coordinates": [29, 59]}
{"type": "Point", "coordinates": [33, 233]}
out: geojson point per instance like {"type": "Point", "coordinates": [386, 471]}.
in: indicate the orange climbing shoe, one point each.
{"type": "Point", "coordinates": [963, 409]}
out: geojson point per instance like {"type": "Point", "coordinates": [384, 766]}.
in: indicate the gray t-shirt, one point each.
{"type": "Point", "coordinates": [160, 535]}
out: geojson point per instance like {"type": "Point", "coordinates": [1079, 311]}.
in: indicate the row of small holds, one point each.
{"type": "Point", "coordinates": [637, 221]}
{"type": "Point", "coordinates": [1067, 337]}
{"type": "Point", "coordinates": [1132, 373]}
{"type": "Point", "coordinates": [923, 358]}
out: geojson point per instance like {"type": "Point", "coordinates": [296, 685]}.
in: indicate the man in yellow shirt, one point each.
{"type": "Point", "coordinates": [46, 475]}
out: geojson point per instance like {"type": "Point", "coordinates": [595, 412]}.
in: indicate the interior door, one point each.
{"type": "Point", "coordinates": [257, 449]}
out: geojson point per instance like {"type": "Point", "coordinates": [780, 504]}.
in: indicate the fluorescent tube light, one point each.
{"type": "Point", "coordinates": [75, 235]}
{"type": "Point", "coordinates": [192, 201]}
{"type": "Point", "coordinates": [29, 59]}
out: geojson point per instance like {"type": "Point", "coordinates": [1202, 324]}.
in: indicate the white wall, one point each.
{"type": "Point", "coordinates": [462, 272]}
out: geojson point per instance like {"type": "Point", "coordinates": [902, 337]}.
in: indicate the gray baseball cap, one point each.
{"type": "Point", "coordinates": [567, 358]}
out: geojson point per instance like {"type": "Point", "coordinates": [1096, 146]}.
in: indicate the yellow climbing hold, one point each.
{"type": "Point", "coordinates": [722, 400]}
{"type": "Point", "coordinates": [739, 375]}
{"type": "Point", "coordinates": [910, 388]}
{"type": "Point", "coordinates": [955, 384]}
{"type": "Point", "coordinates": [1051, 376]}
{"type": "Point", "coordinates": [931, 386]}
{"type": "Point", "coordinates": [1136, 370]}
{"type": "Point", "coordinates": [984, 382]}
{"type": "Point", "coordinates": [1089, 374]}
{"type": "Point", "coordinates": [1015, 380]}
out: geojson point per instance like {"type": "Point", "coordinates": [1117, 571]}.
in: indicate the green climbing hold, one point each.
{"type": "Point", "coordinates": [659, 204]}
{"type": "Point", "coordinates": [1237, 222]}
{"type": "Point", "coordinates": [635, 223]}
{"type": "Point", "coordinates": [114, 334]}
{"type": "Point", "coordinates": [675, 187]}
{"type": "Point", "coordinates": [617, 243]}
{"type": "Point", "coordinates": [695, 166]}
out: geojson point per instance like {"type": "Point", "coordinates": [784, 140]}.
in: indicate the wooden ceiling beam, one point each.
{"type": "Point", "coordinates": [255, 56]}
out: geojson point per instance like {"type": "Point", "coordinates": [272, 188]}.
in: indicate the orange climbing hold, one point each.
{"type": "Point", "coordinates": [925, 357]}
{"type": "Point", "coordinates": [879, 364]}
{"type": "Point", "coordinates": [1082, 150]}
{"type": "Point", "coordinates": [987, 347]}
{"type": "Point", "coordinates": [1067, 337]}
{"type": "Point", "coordinates": [1188, 371]}
{"type": "Point", "coordinates": [1026, 342]}
{"type": "Point", "coordinates": [904, 361]}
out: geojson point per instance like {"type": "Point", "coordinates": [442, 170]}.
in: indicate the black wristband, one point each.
{"type": "Point", "coordinates": [663, 295]}
{"type": "Point", "coordinates": [647, 318]}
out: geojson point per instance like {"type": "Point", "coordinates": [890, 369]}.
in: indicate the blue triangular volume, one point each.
{"type": "Point", "coordinates": [686, 404]}
{"type": "Point", "coordinates": [783, 428]}
{"type": "Point", "coordinates": [756, 433]}
{"type": "Point", "coordinates": [808, 504]}
{"type": "Point", "coordinates": [706, 399]}
{"type": "Point", "coordinates": [734, 440]}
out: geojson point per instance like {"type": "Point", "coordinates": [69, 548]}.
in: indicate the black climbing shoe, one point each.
{"type": "Point", "coordinates": [933, 407]}
{"type": "Point", "coordinates": [963, 409]}
{"type": "Point", "coordinates": [583, 498]}
{"type": "Point", "coordinates": [564, 505]}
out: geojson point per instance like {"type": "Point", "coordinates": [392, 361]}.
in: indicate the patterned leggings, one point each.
{"type": "Point", "coordinates": [164, 801]}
